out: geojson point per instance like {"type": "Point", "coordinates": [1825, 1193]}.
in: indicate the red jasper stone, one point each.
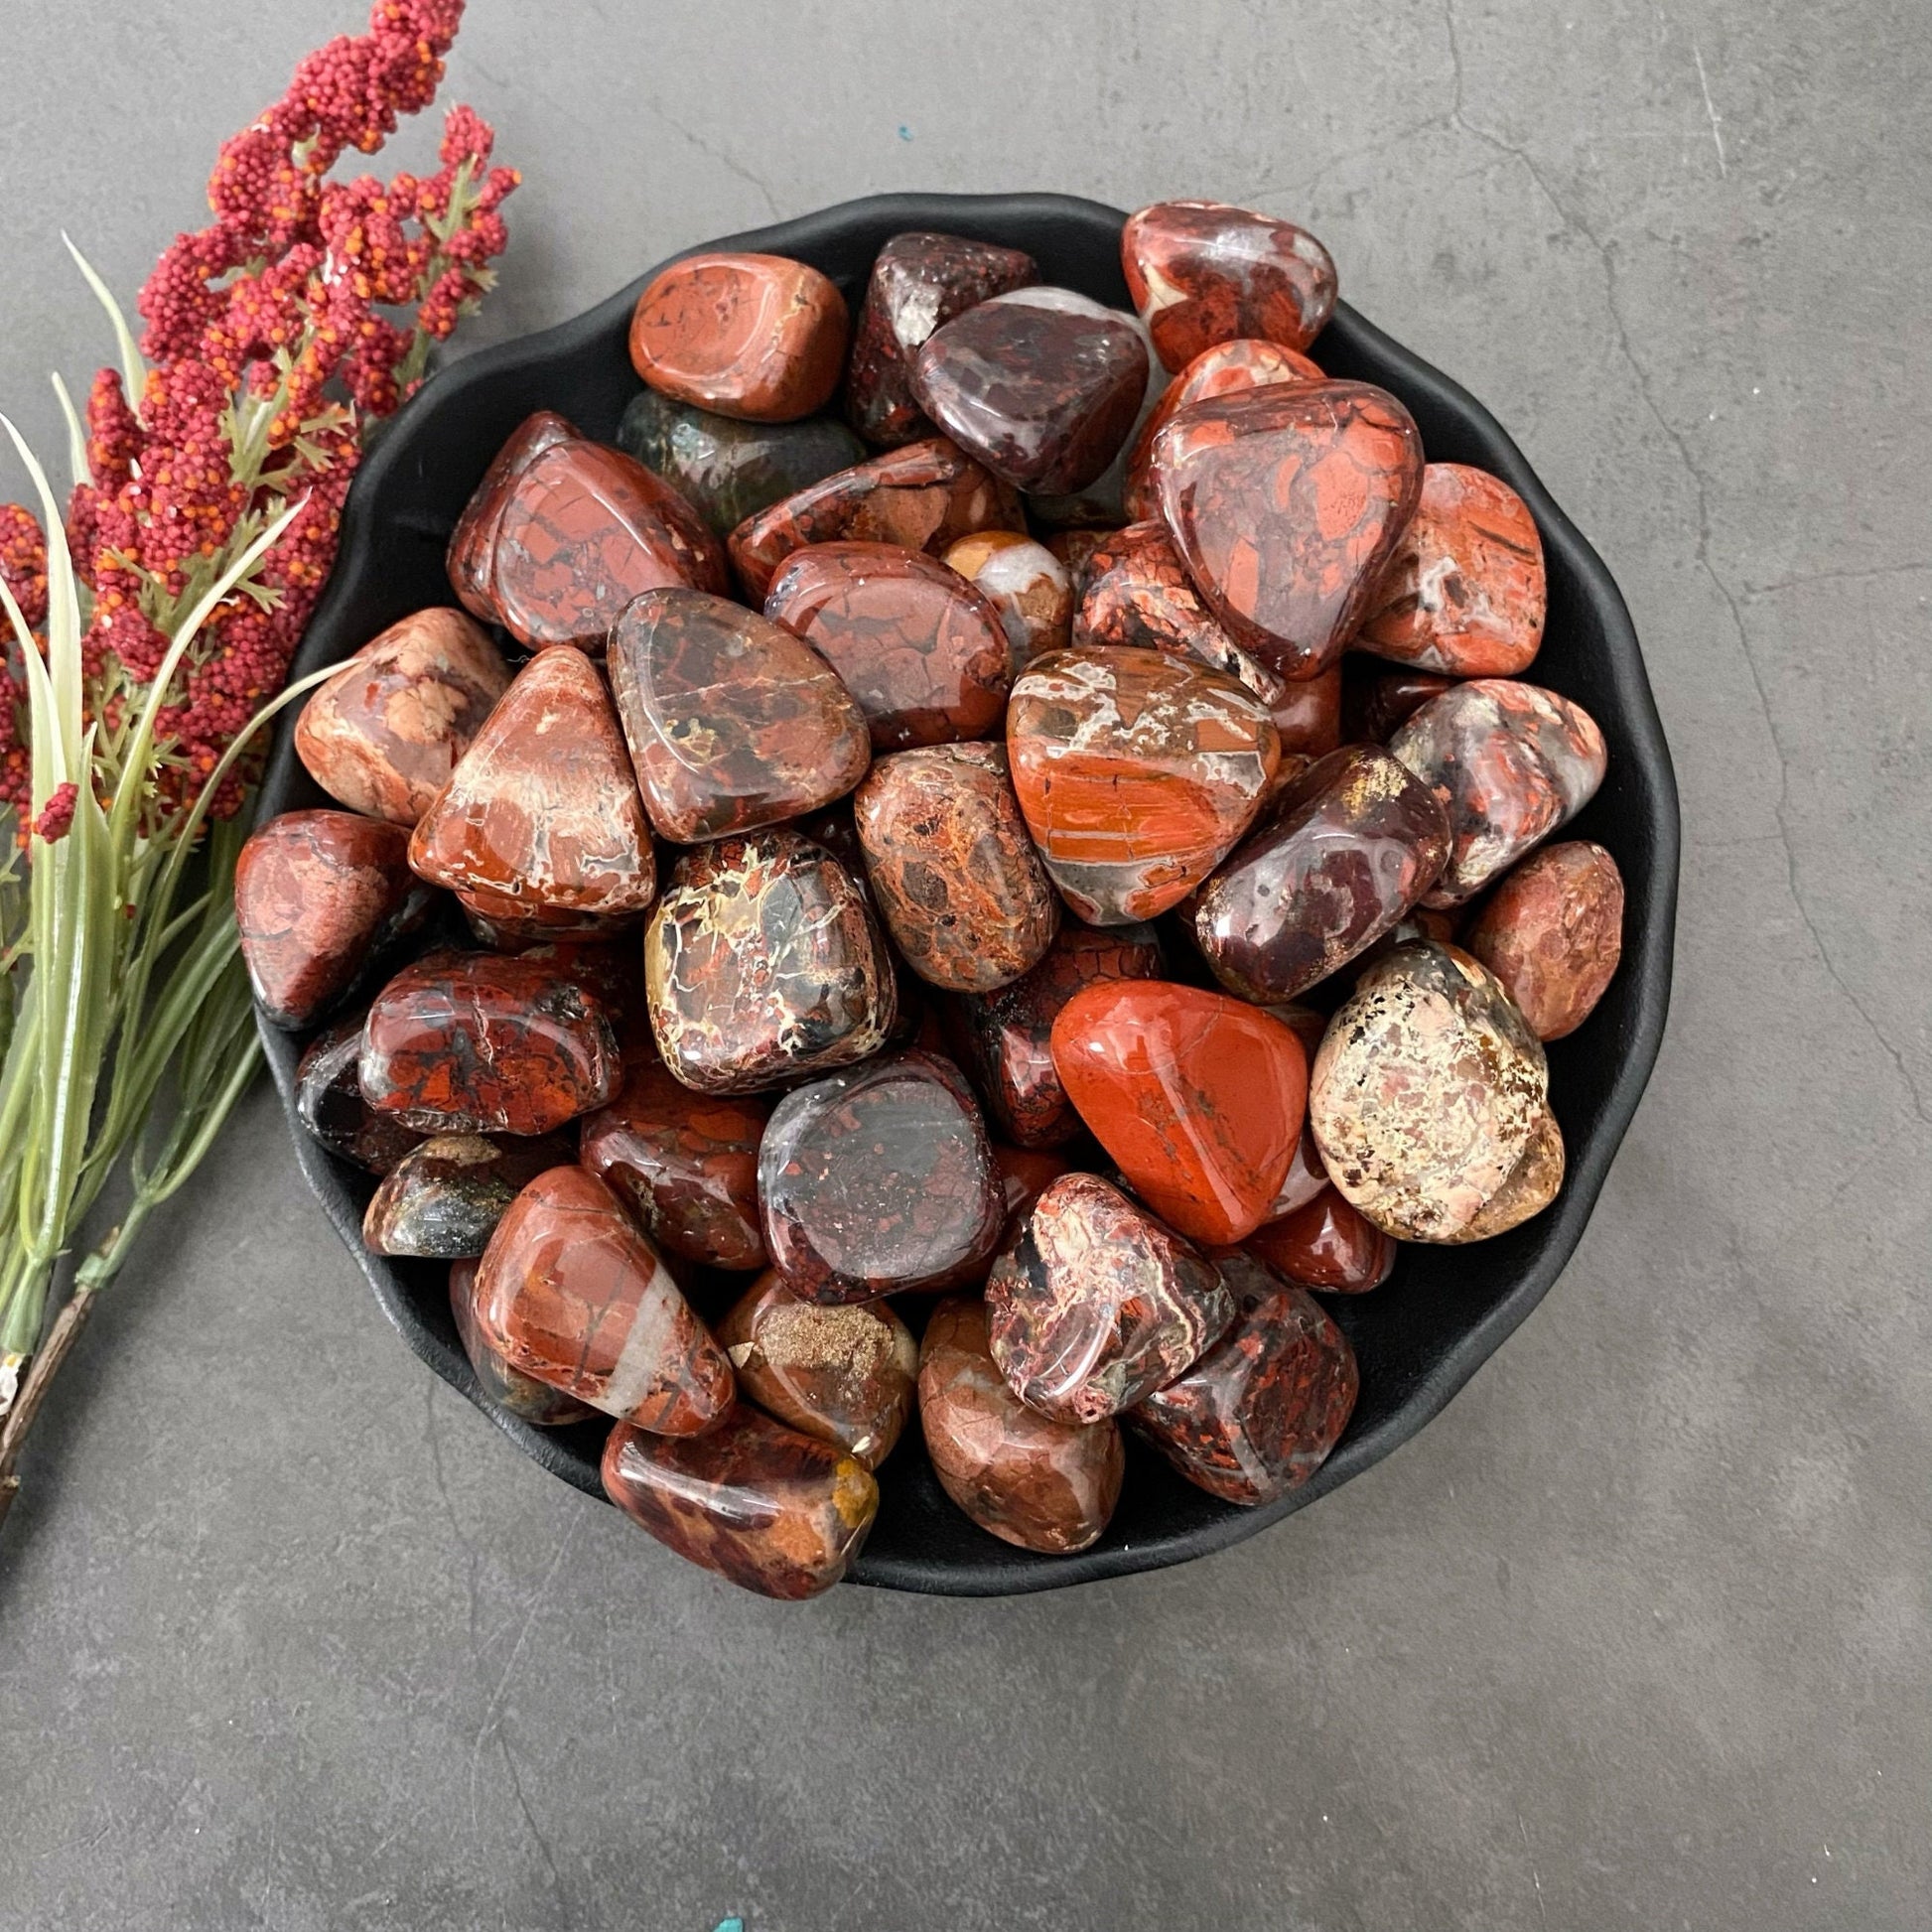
{"type": "Point", "coordinates": [1024, 583]}
{"type": "Point", "coordinates": [329, 1105]}
{"type": "Point", "coordinates": [1025, 1175]}
{"type": "Point", "coordinates": [926, 496]}
{"type": "Point", "coordinates": [1372, 707]}
{"type": "Point", "coordinates": [1041, 385]}
{"type": "Point", "coordinates": [756, 337]}
{"type": "Point", "coordinates": [1075, 548]}
{"type": "Point", "coordinates": [920, 282]}
{"type": "Point", "coordinates": [1464, 590]}
{"type": "Point", "coordinates": [685, 1163]}
{"type": "Point", "coordinates": [1553, 934]}
{"type": "Point", "coordinates": [954, 875]}
{"type": "Point", "coordinates": [445, 1196]}
{"type": "Point", "coordinates": [1199, 1097]}
{"type": "Point", "coordinates": [571, 1293]}
{"type": "Point", "coordinates": [485, 1043]}
{"type": "Point", "coordinates": [1137, 772]}
{"type": "Point", "coordinates": [612, 973]}
{"type": "Point", "coordinates": [732, 722]}
{"type": "Point", "coordinates": [775, 1511]}
{"type": "Point", "coordinates": [506, 924]}
{"type": "Point", "coordinates": [1307, 1173]}
{"type": "Point", "coordinates": [1285, 505]}
{"type": "Point", "coordinates": [1094, 1304]}
{"type": "Point", "coordinates": [522, 1395]}
{"type": "Point", "coordinates": [316, 895]}
{"type": "Point", "coordinates": [1326, 1244]}
{"type": "Point", "coordinates": [543, 811]}
{"type": "Point", "coordinates": [1307, 715]}
{"type": "Point", "coordinates": [923, 653]}
{"type": "Point", "coordinates": [385, 733]}
{"type": "Point", "coordinates": [1043, 1485]}
{"type": "Point", "coordinates": [1203, 272]}
{"type": "Point", "coordinates": [1510, 763]}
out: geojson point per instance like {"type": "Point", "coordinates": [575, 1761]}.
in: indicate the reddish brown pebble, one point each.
{"type": "Point", "coordinates": [522, 1395]}
{"type": "Point", "coordinates": [1553, 934]}
{"type": "Point", "coordinates": [1025, 1173]}
{"type": "Point", "coordinates": [1326, 1244]}
{"type": "Point", "coordinates": [329, 1105]}
{"type": "Point", "coordinates": [1306, 1175]}
{"type": "Point", "coordinates": [1373, 706]}
{"type": "Point", "coordinates": [445, 1196]}
{"type": "Point", "coordinates": [1075, 548]}
{"type": "Point", "coordinates": [1307, 715]}
{"type": "Point", "coordinates": [506, 925]}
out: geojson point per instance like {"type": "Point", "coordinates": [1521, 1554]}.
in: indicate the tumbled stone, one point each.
{"type": "Point", "coordinates": [1511, 763]}
{"type": "Point", "coordinates": [762, 965]}
{"type": "Point", "coordinates": [1372, 707]}
{"type": "Point", "coordinates": [1553, 934]}
{"type": "Point", "coordinates": [522, 1395]}
{"type": "Point", "coordinates": [318, 896]}
{"type": "Point", "coordinates": [1308, 715]}
{"type": "Point", "coordinates": [1426, 1091]}
{"type": "Point", "coordinates": [1137, 772]}
{"type": "Point", "coordinates": [1041, 1485]}
{"type": "Point", "coordinates": [571, 1293]}
{"type": "Point", "coordinates": [1094, 1304]}
{"type": "Point", "coordinates": [842, 1374]}
{"type": "Point", "coordinates": [329, 1105]}
{"type": "Point", "coordinates": [1024, 583]}
{"type": "Point", "coordinates": [506, 925]}
{"type": "Point", "coordinates": [1203, 272]}
{"type": "Point", "coordinates": [1099, 504]}
{"type": "Point", "coordinates": [445, 1196]}
{"type": "Point", "coordinates": [775, 1511]}
{"type": "Point", "coordinates": [612, 973]}
{"type": "Point", "coordinates": [1327, 1244]}
{"type": "Point", "coordinates": [385, 733]}
{"type": "Point", "coordinates": [1285, 503]}
{"type": "Point", "coordinates": [1025, 1175]}
{"type": "Point", "coordinates": [1307, 1173]}
{"type": "Point", "coordinates": [756, 337]}
{"type": "Point", "coordinates": [732, 722]}
{"type": "Point", "coordinates": [1075, 548]}
{"type": "Point", "coordinates": [1532, 1185]}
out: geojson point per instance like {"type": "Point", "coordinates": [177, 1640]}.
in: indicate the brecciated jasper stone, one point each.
{"type": "Point", "coordinates": [1426, 1091]}
{"type": "Point", "coordinates": [756, 337]}
{"type": "Point", "coordinates": [1285, 505]}
{"type": "Point", "coordinates": [1199, 1097]}
{"type": "Point", "coordinates": [1024, 583]}
{"type": "Point", "coordinates": [1258, 1414]}
{"type": "Point", "coordinates": [1465, 591]}
{"type": "Point", "coordinates": [1203, 272]}
{"type": "Point", "coordinates": [329, 1105]}
{"type": "Point", "coordinates": [486, 1042]}
{"type": "Point", "coordinates": [562, 533]}
{"type": "Point", "coordinates": [1041, 1484]}
{"type": "Point", "coordinates": [920, 282]}
{"type": "Point", "coordinates": [1326, 1244]}
{"type": "Point", "coordinates": [1510, 763]}
{"type": "Point", "coordinates": [1553, 934]}
{"type": "Point", "coordinates": [571, 1293]}
{"type": "Point", "coordinates": [685, 1163]}
{"type": "Point", "coordinates": [926, 496]}
{"type": "Point", "coordinates": [445, 1196]}
{"type": "Point", "coordinates": [522, 1395]}
{"type": "Point", "coordinates": [1531, 1187]}
{"type": "Point", "coordinates": [385, 733]}
{"type": "Point", "coordinates": [732, 722]}
{"type": "Point", "coordinates": [770, 1509]}
{"type": "Point", "coordinates": [957, 878]}
{"type": "Point", "coordinates": [543, 810]}
{"type": "Point", "coordinates": [1041, 385]}
{"type": "Point", "coordinates": [1373, 706]}
{"type": "Point", "coordinates": [316, 894]}
{"type": "Point", "coordinates": [1345, 853]}
{"type": "Point", "coordinates": [879, 1179]}
{"type": "Point", "coordinates": [924, 653]}
{"type": "Point", "coordinates": [1094, 1304]}
{"type": "Point", "coordinates": [1138, 772]}
{"type": "Point", "coordinates": [1074, 547]}
{"type": "Point", "coordinates": [843, 1374]}
{"type": "Point", "coordinates": [762, 965]}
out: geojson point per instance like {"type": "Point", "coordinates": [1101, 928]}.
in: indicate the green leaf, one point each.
{"type": "Point", "coordinates": [134, 372]}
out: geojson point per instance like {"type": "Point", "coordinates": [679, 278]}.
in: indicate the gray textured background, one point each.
{"type": "Point", "coordinates": [1636, 1634]}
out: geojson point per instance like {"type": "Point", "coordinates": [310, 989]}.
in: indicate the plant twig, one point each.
{"type": "Point", "coordinates": [32, 1390]}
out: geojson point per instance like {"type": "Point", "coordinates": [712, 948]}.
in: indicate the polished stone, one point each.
{"type": "Point", "coordinates": [329, 1105]}
{"type": "Point", "coordinates": [1306, 1175]}
{"type": "Point", "coordinates": [1026, 583]}
{"type": "Point", "coordinates": [1373, 705]}
{"type": "Point", "coordinates": [1532, 1186]}
{"type": "Point", "coordinates": [1025, 1173]}
{"type": "Point", "coordinates": [523, 1396]}
{"type": "Point", "coordinates": [1308, 715]}
{"type": "Point", "coordinates": [1553, 934]}
{"type": "Point", "coordinates": [445, 1197]}
{"type": "Point", "coordinates": [1327, 1244]}
{"type": "Point", "coordinates": [1075, 548]}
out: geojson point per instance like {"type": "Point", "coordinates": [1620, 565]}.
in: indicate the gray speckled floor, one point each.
{"type": "Point", "coordinates": [1635, 1636]}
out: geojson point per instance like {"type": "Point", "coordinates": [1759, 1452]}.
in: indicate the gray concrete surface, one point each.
{"type": "Point", "coordinates": [1636, 1634]}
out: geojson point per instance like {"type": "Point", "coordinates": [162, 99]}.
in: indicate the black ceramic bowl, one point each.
{"type": "Point", "coordinates": [1418, 1338]}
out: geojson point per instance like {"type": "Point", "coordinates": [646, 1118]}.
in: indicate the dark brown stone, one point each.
{"type": "Point", "coordinates": [445, 1197]}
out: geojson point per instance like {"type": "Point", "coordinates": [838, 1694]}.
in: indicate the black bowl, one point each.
{"type": "Point", "coordinates": [1418, 1338]}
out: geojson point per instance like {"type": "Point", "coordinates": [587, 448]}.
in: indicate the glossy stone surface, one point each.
{"type": "Point", "coordinates": [1025, 583]}
{"type": "Point", "coordinates": [1137, 772]}
{"type": "Point", "coordinates": [756, 337]}
{"type": "Point", "coordinates": [316, 894]}
{"type": "Point", "coordinates": [384, 735]}
{"type": "Point", "coordinates": [685, 1165]}
{"type": "Point", "coordinates": [506, 925]}
{"type": "Point", "coordinates": [1097, 505]}
{"type": "Point", "coordinates": [1426, 1091]}
{"type": "Point", "coordinates": [732, 722]}
{"type": "Point", "coordinates": [1094, 1304]}
{"type": "Point", "coordinates": [543, 810]}
{"type": "Point", "coordinates": [1372, 707]}
{"type": "Point", "coordinates": [1531, 1187]}
{"type": "Point", "coordinates": [1203, 272]}
{"type": "Point", "coordinates": [764, 964]}
{"type": "Point", "coordinates": [522, 1395]}
{"type": "Point", "coordinates": [1342, 854]}
{"type": "Point", "coordinates": [571, 1293]}
{"type": "Point", "coordinates": [1025, 1173]}
{"type": "Point", "coordinates": [920, 282]}
{"type": "Point", "coordinates": [1326, 1244]}
{"type": "Point", "coordinates": [957, 878]}
{"type": "Point", "coordinates": [1307, 715]}
{"type": "Point", "coordinates": [1075, 547]}
{"type": "Point", "coordinates": [445, 1196]}
{"type": "Point", "coordinates": [880, 1179]}
{"type": "Point", "coordinates": [1511, 763]}
{"type": "Point", "coordinates": [1041, 1484]}
{"type": "Point", "coordinates": [922, 652]}
{"type": "Point", "coordinates": [1041, 385]}
{"type": "Point", "coordinates": [1258, 1414]}
{"type": "Point", "coordinates": [1553, 934]}
{"type": "Point", "coordinates": [1307, 1173]}
{"type": "Point", "coordinates": [775, 1511]}
{"type": "Point", "coordinates": [926, 496]}
{"type": "Point", "coordinates": [329, 1105]}
{"type": "Point", "coordinates": [1285, 505]}
{"type": "Point", "coordinates": [486, 1042]}
{"type": "Point", "coordinates": [842, 1374]}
